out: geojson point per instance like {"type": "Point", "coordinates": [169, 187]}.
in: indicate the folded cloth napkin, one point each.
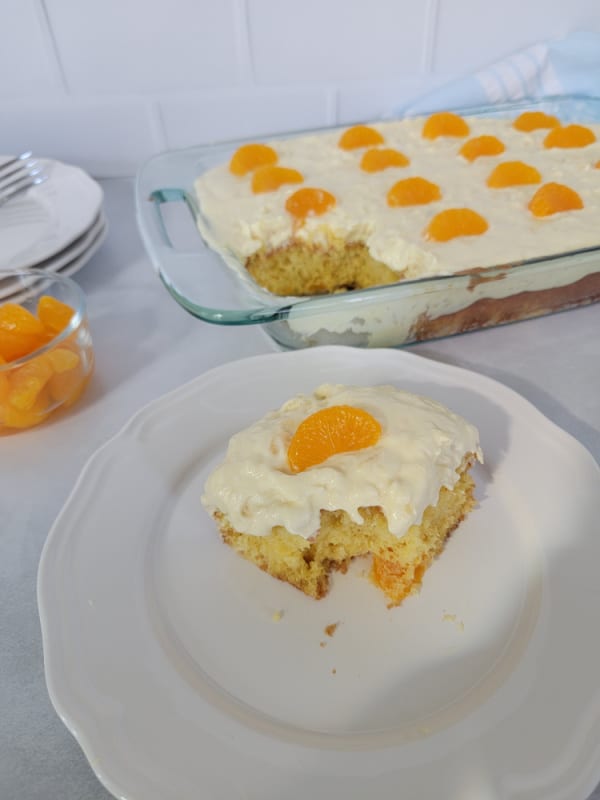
{"type": "Point", "coordinates": [569, 66]}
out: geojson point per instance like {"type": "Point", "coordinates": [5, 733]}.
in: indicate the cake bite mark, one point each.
{"type": "Point", "coordinates": [270, 177]}
{"type": "Point", "coordinates": [444, 123]}
{"type": "Point", "coordinates": [513, 173]}
{"type": "Point", "coordinates": [413, 192]}
{"type": "Point", "coordinates": [309, 201]}
{"type": "Point", "coordinates": [481, 146]}
{"type": "Point", "coordinates": [534, 120]}
{"type": "Point", "coordinates": [250, 156]}
{"type": "Point", "coordinates": [570, 136]}
{"type": "Point", "coordinates": [454, 222]}
{"type": "Point", "coordinates": [360, 136]}
{"type": "Point", "coordinates": [379, 158]}
{"type": "Point", "coordinates": [332, 430]}
{"type": "Point", "coordinates": [551, 198]}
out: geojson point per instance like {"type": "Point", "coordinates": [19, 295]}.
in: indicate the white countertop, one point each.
{"type": "Point", "coordinates": [145, 346]}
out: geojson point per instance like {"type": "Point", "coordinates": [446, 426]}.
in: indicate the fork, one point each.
{"type": "Point", "coordinates": [18, 174]}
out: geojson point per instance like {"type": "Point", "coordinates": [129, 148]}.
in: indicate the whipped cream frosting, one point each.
{"type": "Point", "coordinates": [421, 446]}
{"type": "Point", "coordinates": [238, 222]}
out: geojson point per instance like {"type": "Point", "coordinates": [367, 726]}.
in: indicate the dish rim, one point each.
{"type": "Point", "coordinates": [259, 306]}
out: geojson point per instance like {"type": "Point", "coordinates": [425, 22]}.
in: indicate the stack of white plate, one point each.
{"type": "Point", "coordinates": [56, 226]}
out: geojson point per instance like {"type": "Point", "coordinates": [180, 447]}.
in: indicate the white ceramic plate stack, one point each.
{"type": "Point", "coordinates": [57, 226]}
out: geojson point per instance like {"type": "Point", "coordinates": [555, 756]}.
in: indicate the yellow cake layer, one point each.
{"type": "Point", "coordinates": [398, 562]}
{"type": "Point", "coordinates": [302, 269]}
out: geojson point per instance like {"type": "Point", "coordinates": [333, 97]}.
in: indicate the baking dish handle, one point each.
{"type": "Point", "coordinates": [184, 274]}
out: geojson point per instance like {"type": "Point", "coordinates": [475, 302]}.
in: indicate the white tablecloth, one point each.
{"type": "Point", "coordinates": [146, 345]}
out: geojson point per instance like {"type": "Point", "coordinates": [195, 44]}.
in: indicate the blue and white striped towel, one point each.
{"type": "Point", "coordinates": [570, 66]}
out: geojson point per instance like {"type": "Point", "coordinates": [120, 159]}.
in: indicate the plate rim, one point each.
{"type": "Point", "coordinates": [135, 422]}
{"type": "Point", "coordinates": [19, 261]}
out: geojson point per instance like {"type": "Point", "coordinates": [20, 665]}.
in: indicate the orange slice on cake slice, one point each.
{"type": "Point", "coordinates": [513, 173]}
{"type": "Point", "coordinates": [379, 158]}
{"type": "Point", "coordinates": [250, 156]}
{"type": "Point", "coordinates": [455, 222]}
{"type": "Point", "coordinates": [414, 191]}
{"type": "Point", "coordinates": [552, 198]}
{"type": "Point", "coordinates": [444, 123]}
{"type": "Point", "coordinates": [332, 430]}
{"type": "Point", "coordinates": [309, 201]}
{"type": "Point", "coordinates": [481, 146]}
{"type": "Point", "coordinates": [271, 177]}
{"type": "Point", "coordinates": [534, 120]}
{"type": "Point", "coordinates": [360, 136]}
{"type": "Point", "coordinates": [569, 136]}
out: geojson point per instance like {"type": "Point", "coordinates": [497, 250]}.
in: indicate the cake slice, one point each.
{"type": "Point", "coordinates": [347, 471]}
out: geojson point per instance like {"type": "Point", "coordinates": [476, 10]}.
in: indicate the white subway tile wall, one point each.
{"type": "Point", "coordinates": [107, 83]}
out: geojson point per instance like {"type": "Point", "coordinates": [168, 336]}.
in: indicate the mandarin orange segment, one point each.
{"type": "Point", "coordinates": [513, 173]}
{"type": "Point", "coordinates": [250, 156]}
{"type": "Point", "coordinates": [534, 120]}
{"type": "Point", "coordinates": [413, 192]}
{"type": "Point", "coordinates": [3, 381]}
{"type": "Point", "coordinates": [309, 201]}
{"type": "Point", "coordinates": [454, 222]}
{"type": "Point", "coordinates": [54, 315]}
{"type": "Point", "coordinates": [337, 429]}
{"type": "Point", "coordinates": [570, 136]}
{"type": "Point", "coordinates": [360, 136]}
{"type": "Point", "coordinates": [20, 332]}
{"type": "Point", "coordinates": [27, 382]}
{"type": "Point", "coordinates": [390, 576]}
{"type": "Point", "coordinates": [444, 123]}
{"type": "Point", "coordinates": [379, 158]}
{"type": "Point", "coordinates": [62, 359]}
{"type": "Point", "coordinates": [271, 177]}
{"type": "Point", "coordinates": [552, 198]}
{"type": "Point", "coordinates": [13, 417]}
{"type": "Point", "coordinates": [66, 387]}
{"type": "Point", "coordinates": [481, 146]}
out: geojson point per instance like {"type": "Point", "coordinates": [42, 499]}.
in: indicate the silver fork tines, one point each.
{"type": "Point", "coordinates": [18, 174]}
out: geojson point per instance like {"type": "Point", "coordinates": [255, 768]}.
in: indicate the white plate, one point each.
{"type": "Point", "coordinates": [68, 261]}
{"type": "Point", "coordinates": [164, 659]}
{"type": "Point", "coordinates": [73, 266]}
{"type": "Point", "coordinates": [45, 219]}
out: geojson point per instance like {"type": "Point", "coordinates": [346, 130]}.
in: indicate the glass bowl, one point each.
{"type": "Point", "coordinates": [46, 354]}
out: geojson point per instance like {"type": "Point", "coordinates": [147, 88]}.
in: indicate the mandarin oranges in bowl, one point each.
{"type": "Point", "coordinates": [46, 355]}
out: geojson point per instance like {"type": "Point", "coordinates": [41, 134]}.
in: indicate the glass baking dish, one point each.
{"type": "Point", "coordinates": [220, 291]}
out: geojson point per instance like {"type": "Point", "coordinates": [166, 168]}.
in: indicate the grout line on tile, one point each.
{"type": "Point", "coordinates": [243, 48]}
{"type": "Point", "coordinates": [160, 128]}
{"type": "Point", "coordinates": [334, 106]}
{"type": "Point", "coordinates": [431, 24]}
{"type": "Point", "coordinates": [47, 25]}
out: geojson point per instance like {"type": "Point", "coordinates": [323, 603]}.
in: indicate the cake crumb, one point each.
{"type": "Point", "coordinates": [453, 618]}
{"type": "Point", "coordinates": [331, 628]}
{"type": "Point", "coordinates": [277, 616]}
{"type": "Point", "coordinates": [334, 671]}
{"type": "Point", "coordinates": [322, 644]}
